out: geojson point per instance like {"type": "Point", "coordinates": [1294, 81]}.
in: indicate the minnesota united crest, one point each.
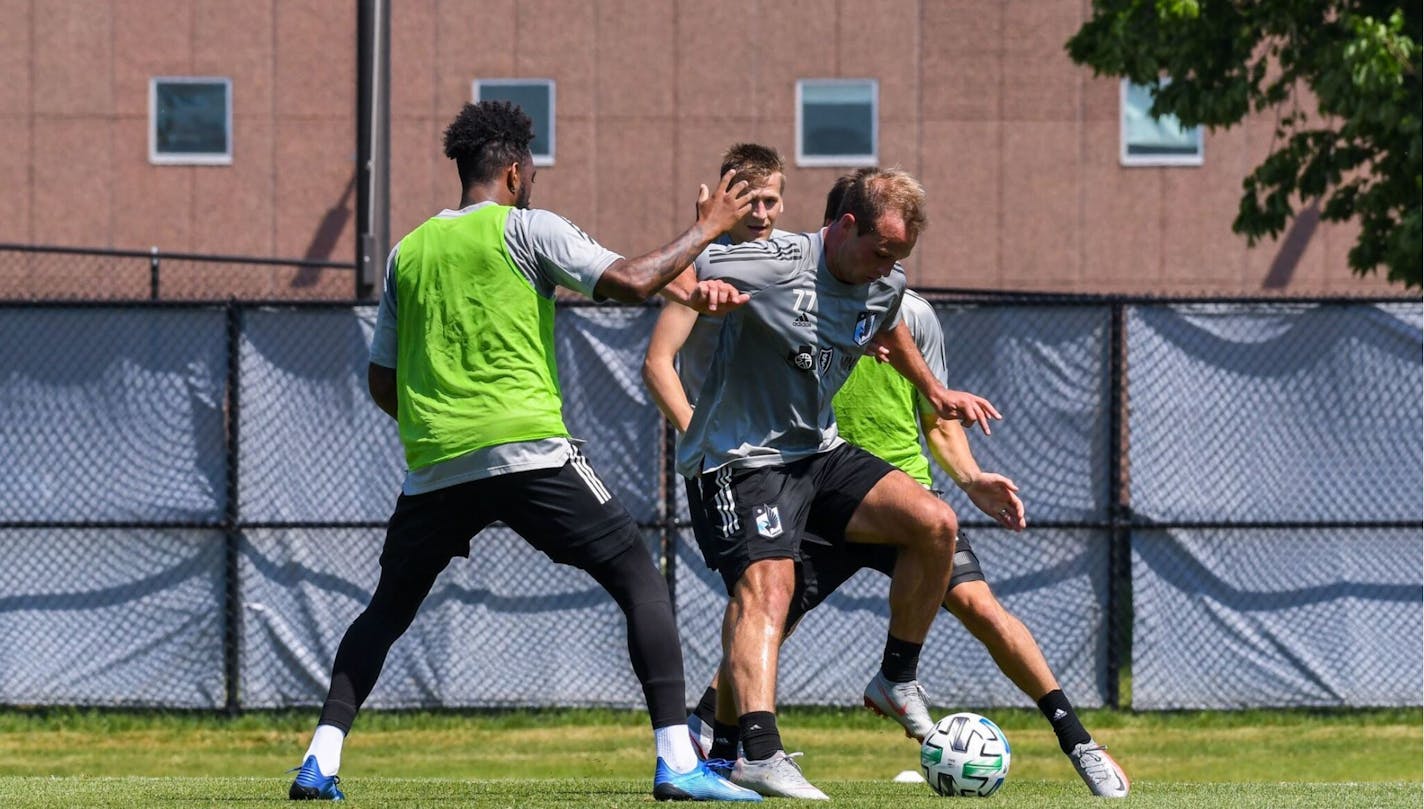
{"type": "Point", "coordinates": [864, 327]}
{"type": "Point", "coordinates": [768, 521]}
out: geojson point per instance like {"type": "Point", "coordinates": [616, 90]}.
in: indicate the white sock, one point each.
{"type": "Point", "coordinates": [326, 746]}
{"type": "Point", "coordinates": [675, 748]}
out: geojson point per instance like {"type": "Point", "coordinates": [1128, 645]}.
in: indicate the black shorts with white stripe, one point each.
{"type": "Point", "coordinates": [763, 512]}
{"type": "Point", "coordinates": [565, 512]}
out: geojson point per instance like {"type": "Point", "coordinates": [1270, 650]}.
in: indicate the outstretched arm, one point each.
{"type": "Point", "coordinates": [993, 494]}
{"type": "Point", "coordinates": [632, 280]}
{"type": "Point", "coordinates": [960, 406]}
{"type": "Point", "coordinates": [712, 296]}
{"type": "Point", "coordinates": [659, 370]}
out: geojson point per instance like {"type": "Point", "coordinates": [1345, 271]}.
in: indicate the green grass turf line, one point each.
{"type": "Point", "coordinates": [14, 719]}
{"type": "Point", "coordinates": [126, 793]}
{"type": "Point", "coordinates": [1249, 747]}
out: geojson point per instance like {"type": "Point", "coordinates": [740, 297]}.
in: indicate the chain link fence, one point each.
{"type": "Point", "coordinates": [1224, 502]}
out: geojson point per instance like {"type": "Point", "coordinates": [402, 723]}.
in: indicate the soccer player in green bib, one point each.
{"type": "Point", "coordinates": [463, 358]}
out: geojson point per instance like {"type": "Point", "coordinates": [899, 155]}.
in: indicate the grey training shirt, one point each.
{"type": "Point", "coordinates": [696, 353]}
{"type": "Point", "coordinates": [782, 356]}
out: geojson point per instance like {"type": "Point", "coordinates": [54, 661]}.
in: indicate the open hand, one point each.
{"type": "Point", "coordinates": [713, 296]}
{"type": "Point", "coordinates": [965, 408]}
{"type": "Point", "coordinates": [997, 496]}
{"type": "Point", "coordinates": [723, 208]}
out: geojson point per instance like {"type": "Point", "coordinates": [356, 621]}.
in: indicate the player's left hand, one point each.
{"type": "Point", "coordinates": [714, 296]}
{"type": "Point", "coordinates": [997, 496]}
{"type": "Point", "coordinates": [965, 408]}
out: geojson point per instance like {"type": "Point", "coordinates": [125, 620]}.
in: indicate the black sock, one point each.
{"type": "Point", "coordinates": [724, 741]}
{"type": "Point", "coordinates": [706, 709]}
{"type": "Point", "coordinates": [760, 738]}
{"type": "Point", "coordinates": [1060, 714]}
{"type": "Point", "coordinates": [901, 660]}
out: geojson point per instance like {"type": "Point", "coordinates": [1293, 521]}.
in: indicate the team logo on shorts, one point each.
{"type": "Point", "coordinates": [864, 327]}
{"type": "Point", "coordinates": [824, 360]}
{"type": "Point", "coordinates": [768, 521]}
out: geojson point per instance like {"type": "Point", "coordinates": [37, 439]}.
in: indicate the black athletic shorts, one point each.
{"type": "Point", "coordinates": [701, 529]}
{"type": "Point", "coordinates": [761, 513]}
{"type": "Point", "coordinates": [825, 566]}
{"type": "Point", "coordinates": [565, 512]}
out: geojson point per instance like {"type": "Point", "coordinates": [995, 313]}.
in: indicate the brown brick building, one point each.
{"type": "Point", "coordinates": [1019, 148]}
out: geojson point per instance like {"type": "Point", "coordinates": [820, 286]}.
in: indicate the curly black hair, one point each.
{"type": "Point", "coordinates": [486, 137]}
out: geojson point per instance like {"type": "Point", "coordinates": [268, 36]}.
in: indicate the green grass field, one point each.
{"type": "Point", "coordinates": [603, 759]}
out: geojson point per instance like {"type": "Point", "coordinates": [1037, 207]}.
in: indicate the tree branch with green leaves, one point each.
{"type": "Point", "coordinates": [1356, 154]}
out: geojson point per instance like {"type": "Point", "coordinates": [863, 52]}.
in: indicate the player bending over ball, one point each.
{"type": "Point", "coordinates": [762, 444]}
{"type": "Point", "coordinates": [879, 411]}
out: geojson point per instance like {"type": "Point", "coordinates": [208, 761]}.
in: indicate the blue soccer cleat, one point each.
{"type": "Point", "coordinates": [697, 784]}
{"type": "Point", "coordinates": [311, 785]}
{"type": "Point", "coordinates": [721, 766]}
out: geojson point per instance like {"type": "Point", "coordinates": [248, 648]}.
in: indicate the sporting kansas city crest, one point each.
{"type": "Point", "coordinates": [864, 327]}
{"type": "Point", "coordinates": [768, 521]}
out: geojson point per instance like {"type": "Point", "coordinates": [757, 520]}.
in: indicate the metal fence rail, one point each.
{"type": "Point", "coordinates": [48, 273]}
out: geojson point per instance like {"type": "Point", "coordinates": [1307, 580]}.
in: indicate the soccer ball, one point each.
{"type": "Point", "coordinates": [965, 754]}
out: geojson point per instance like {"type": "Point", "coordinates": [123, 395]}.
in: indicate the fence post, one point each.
{"type": "Point", "coordinates": [153, 273]}
{"type": "Point", "coordinates": [232, 535]}
{"type": "Point", "coordinates": [1119, 511]}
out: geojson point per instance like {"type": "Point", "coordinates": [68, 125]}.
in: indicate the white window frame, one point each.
{"type": "Point", "coordinates": [856, 160]}
{"type": "Point", "coordinates": [187, 158]}
{"type": "Point", "coordinates": [1127, 159]}
{"type": "Point", "coordinates": [539, 159]}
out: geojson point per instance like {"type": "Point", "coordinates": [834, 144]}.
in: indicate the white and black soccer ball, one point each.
{"type": "Point", "coordinates": [965, 754]}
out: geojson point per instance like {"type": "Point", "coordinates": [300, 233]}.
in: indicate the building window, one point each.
{"type": "Point", "coordinates": [190, 121]}
{"type": "Point", "coordinates": [1148, 141]}
{"type": "Point", "coordinates": [536, 98]}
{"type": "Point", "coordinates": [837, 122]}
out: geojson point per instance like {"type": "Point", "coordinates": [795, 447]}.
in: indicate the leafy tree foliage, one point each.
{"type": "Point", "coordinates": [1213, 62]}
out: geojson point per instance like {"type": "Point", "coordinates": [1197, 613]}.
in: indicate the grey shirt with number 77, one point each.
{"type": "Point", "coordinates": [781, 357]}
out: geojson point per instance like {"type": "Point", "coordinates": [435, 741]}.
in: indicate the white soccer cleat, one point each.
{"type": "Point", "coordinates": [906, 703]}
{"type": "Point", "coordinates": [775, 777]}
{"type": "Point", "coordinates": [1103, 776]}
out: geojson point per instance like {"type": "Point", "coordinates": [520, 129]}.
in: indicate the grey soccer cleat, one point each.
{"type": "Point", "coordinates": [906, 703]}
{"type": "Point", "coordinates": [1102, 775]}
{"type": "Point", "coordinates": [775, 777]}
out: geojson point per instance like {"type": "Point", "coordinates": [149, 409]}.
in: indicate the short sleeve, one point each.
{"type": "Point", "coordinates": [893, 310]}
{"type": "Point", "coordinates": [551, 251]}
{"type": "Point", "coordinates": [383, 342]}
{"type": "Point", "coordinates": [751, 266]}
